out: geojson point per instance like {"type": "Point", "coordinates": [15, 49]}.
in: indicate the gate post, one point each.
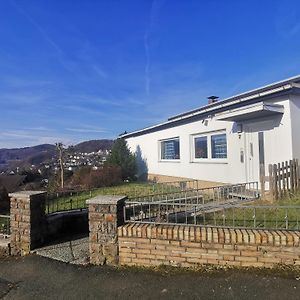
{"type": "Point", "coordinates": [262, 180]}
{"type": "Point", "coordinates": [105, 215]}
{"type": "Point", "coordinates": [27, 221]}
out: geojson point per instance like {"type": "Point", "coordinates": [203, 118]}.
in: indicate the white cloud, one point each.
{"type": "Point", "coordinates": [24, 138]}
{"type": "Point", "coordinates": [86, 130]}
{"type": "Point", "coordinates": [21, 82]}
{"type": "Point", "coordinates": [38, 128]}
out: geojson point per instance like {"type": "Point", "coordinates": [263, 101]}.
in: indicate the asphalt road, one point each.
{"type": "Point", "coordinates": [35, 277]}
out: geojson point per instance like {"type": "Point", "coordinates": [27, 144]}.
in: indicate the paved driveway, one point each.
{"type": "Point", "coordinates": [35, 277]}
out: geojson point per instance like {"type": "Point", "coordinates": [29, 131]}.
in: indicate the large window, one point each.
{"type": "Point", "coordinates": [218, 146]}
{"type": "Point", "coordinates": [201, 147]}
{"type": "Point", "coordinates": [170, 149]}
{"type": "Point", "coordinates": [210, 146]}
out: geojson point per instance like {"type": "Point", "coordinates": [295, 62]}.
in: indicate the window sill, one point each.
{"type": "Point", "coordinates": [169, 161]}
{"type": "Point", "coordinates": [222, 162]}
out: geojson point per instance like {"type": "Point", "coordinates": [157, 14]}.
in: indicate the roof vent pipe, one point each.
{"type": "Point", "coordinates": [212, 99]}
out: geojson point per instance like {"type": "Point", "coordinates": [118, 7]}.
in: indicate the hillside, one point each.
{"type": "Point", "coordinates": [93, 146]}
{"type": "Point", "coordinates": [24, 153]}
{"type": "Point", "coordinates": [27, 155]}
{"type": "Point", "coordinates": [24, 157]}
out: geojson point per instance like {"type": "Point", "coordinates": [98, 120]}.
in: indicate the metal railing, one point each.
{"type": "Point", "coordinates": [4, 225]}
{"type": "Point", "coordinates": [76, 199]}
{"type": "Point", "coordinates": [224, 215]}
{"type": "Point", "coordinates": [242, 191]}
{"type": "Point", "coordinates": [67, 201]}
{"type": "Point", "coordinates": [177, 191]}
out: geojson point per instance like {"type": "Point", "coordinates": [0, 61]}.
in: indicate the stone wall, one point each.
{"type": "Point", "coordinates": [27, 221]}
{"type": "Point", "coordinates": [188, 246]}
{"type": "Point", "coordinates": [105, 215]}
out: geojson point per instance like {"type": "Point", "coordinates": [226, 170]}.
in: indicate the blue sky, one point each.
{"type": "Point", "coordinates": [73, 70]}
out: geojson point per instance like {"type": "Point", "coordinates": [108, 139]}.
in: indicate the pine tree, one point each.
{"type": "Point", "coordinates": [121, 156]}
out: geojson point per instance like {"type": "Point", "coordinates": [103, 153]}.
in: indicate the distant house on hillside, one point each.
{"type": "Point", "coordinates": [226, 141]}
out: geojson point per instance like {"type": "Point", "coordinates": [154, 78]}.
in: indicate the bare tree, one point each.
{"type": "Point", "coordinates": [60, 152]}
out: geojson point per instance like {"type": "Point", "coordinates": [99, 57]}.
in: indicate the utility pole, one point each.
{"type": "Point", "coordinates": [60, 151]}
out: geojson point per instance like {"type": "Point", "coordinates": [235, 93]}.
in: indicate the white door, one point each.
{"type": "Point", "coordinates": [252, 154]}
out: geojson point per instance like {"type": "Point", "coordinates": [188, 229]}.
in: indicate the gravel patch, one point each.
{"type": "Point", "coordinates": [73, 252]}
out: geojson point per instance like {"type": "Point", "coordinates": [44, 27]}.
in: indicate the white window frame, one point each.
{"type": "Point", "coordinates": [193, 148]}
{"type": "Point", "coordinates": [209, 158]}
{"type": "Point", "coordinates": [160, 148]}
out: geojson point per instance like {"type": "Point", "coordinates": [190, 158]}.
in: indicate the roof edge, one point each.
{"type": "Point", "coordinates": [242, 95]}
{"type": "Point", "coordinates": [240, 98]}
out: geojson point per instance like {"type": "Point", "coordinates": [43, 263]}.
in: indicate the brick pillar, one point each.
{"type": "Point", "coordinates": [27, 221]}
{"type": "Point", "coordinates": [105, 215]}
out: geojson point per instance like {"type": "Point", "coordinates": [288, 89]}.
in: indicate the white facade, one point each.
{"type": "Point", "coordinates": [262, 131]}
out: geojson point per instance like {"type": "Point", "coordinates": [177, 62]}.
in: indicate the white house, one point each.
{"type": "Point", "coordinates": [226, 141]}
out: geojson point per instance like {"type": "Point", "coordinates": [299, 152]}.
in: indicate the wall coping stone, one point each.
{"type": "Point", "coordinates": [191, 246]}
{"type": "Point", "coordinates": [105, 199]}
{"type": "Point", "coordinates": [209, 234]}
{"type": "Point", "coordinates": [26, 194]}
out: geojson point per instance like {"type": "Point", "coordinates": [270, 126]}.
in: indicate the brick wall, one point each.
{"type": "Point", "coordinates": [187, 246]}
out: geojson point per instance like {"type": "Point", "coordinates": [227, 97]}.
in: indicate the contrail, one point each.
{"type": "Point", "coordinates": [153, 19]}
{"type": "Point", "coordinates": [147, 66]}
{"type": "Point", "coordinates": [37, 26]}
{"type": "Point", "coordinates": [44, 35]}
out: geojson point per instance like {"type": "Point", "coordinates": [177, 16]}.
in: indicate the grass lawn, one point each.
{"type": "Point", "coordinates": [259, 214]}
{"type": "Point", "coordinates": [131, 190]}
{"type": "Point", "coordinates": [281, 214]}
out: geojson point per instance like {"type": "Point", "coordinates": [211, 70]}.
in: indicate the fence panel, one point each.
{"type": "Point", "coordinates": [229, 216]}
{"type": "Point", "coordinates": [76, 199]}
{"type": "Point", "coordinates": [283, 178]}
{"type": "Point", "coordinates": [188, 207]}
{"type": "Point", "coordinates": [221, 193]}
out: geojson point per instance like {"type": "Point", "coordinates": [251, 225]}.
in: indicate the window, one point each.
{"type": "Point", "coordinates": [218, 146]}
{"type": "Point", "coordinates": [201, 147]}
{"type": "Point", "coordinates": [170, 149]}
{"type": "Point", "coordinates": [210, 146]}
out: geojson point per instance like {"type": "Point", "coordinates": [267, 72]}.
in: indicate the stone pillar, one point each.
{"type": "Point", "coordinates": [27, 221]}
{"type": "Point", "coordinates": [105, 215]}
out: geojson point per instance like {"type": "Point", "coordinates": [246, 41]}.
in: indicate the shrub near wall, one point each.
{"type": "Point", "coordinates": [88, 178]}
{"type": "Point", "coordinates": [189, 246]}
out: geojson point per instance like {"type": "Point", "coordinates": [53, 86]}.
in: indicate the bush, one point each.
{"type": "Point", "coordinates": [108, 175]}
{"type": "Point", "coordinates": [80, 177]}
